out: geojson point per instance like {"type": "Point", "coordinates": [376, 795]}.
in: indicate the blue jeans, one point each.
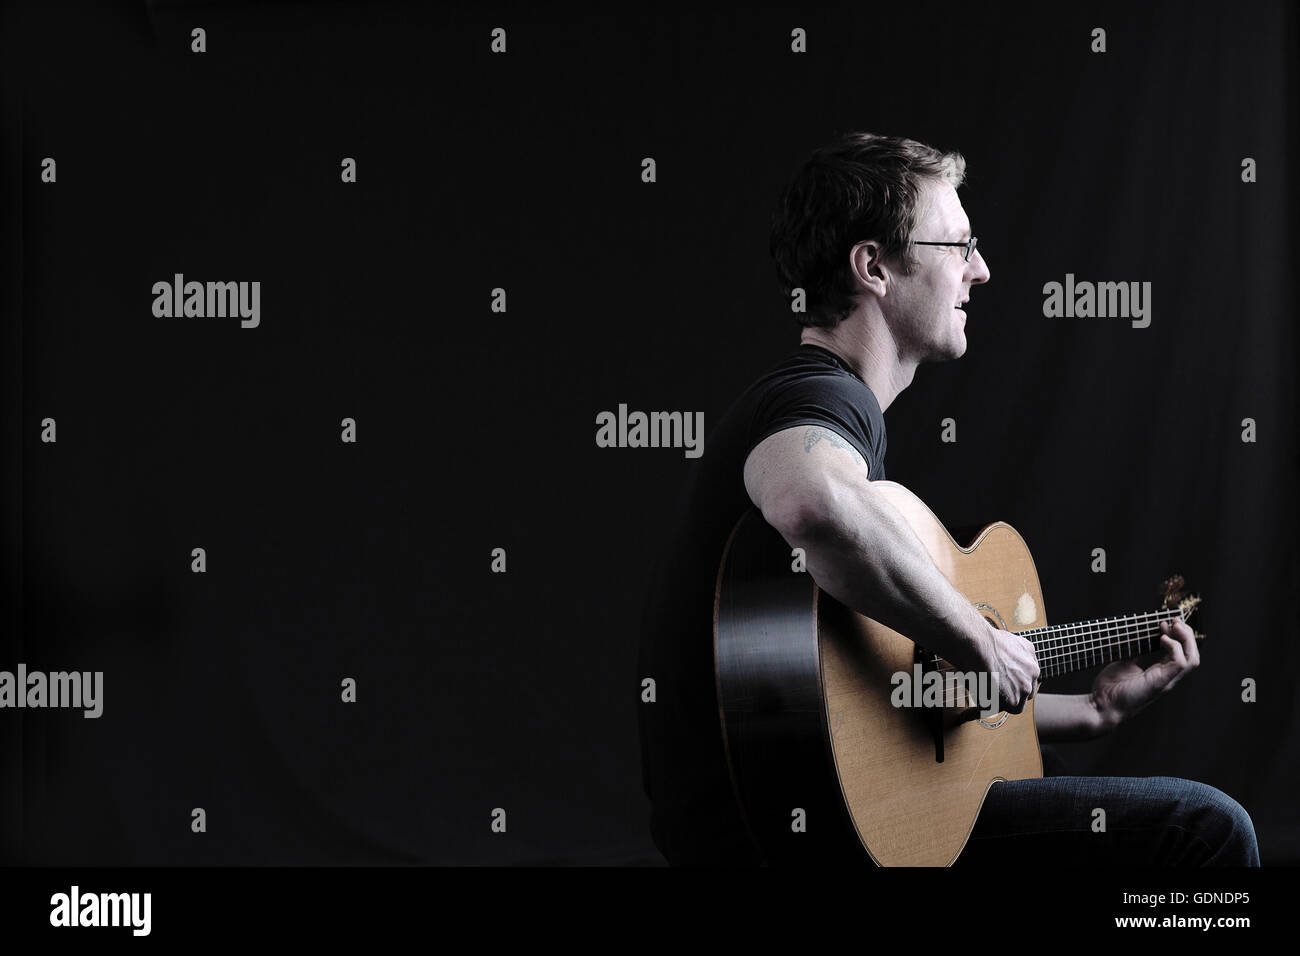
{"type": "Point", "coordinates": [1149, 821]}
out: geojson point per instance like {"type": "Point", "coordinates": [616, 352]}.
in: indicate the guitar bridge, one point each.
{"type": "Point", "coordinates": [935, 715]}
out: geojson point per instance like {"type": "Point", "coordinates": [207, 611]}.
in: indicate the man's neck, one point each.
{"type": "Point", "coordinates": [871, 354]}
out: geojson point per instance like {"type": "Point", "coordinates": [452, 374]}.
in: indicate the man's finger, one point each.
{"type": "Point", "coordinates": [1188, 639]}
{"type": "Point", "coordinates": [1173, 648]}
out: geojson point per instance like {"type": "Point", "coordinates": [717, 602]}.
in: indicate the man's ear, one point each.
{"type": "Point", "coordinates": [868, 267]}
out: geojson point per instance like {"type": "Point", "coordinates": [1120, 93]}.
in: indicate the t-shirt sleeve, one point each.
{"type": "Point", "coordinates": [838, 402]}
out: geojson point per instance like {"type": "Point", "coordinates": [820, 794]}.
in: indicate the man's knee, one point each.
{"type": "Point", "coordinates": [1220, 830]}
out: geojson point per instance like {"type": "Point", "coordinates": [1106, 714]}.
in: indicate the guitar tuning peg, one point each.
{"type": "Point", "coordinates": [1171, 590]}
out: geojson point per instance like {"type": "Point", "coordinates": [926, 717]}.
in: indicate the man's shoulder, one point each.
{"type": "Point", "coordinates": [810, 387]}
{"type": "Point", "coordinates": [812, 374]}
{"type": "Point", "coordinates": [812, 368]}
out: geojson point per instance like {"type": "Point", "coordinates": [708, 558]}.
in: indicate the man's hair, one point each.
{"type": "Point", "coordinates": [861, 186]}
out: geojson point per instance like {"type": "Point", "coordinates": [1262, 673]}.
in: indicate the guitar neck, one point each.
{"type": "Point", "coordinates": [1064, 648]}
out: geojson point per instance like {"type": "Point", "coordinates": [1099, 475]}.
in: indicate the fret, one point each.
{"type": "Point", "coordinates": [1064, 648]}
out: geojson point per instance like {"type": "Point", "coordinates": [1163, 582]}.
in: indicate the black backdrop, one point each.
{"type": "Point", "coordinates": [478, 690]}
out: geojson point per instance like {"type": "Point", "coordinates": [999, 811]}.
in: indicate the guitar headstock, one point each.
{"type": "Point", "coordinates": [1173, 598]}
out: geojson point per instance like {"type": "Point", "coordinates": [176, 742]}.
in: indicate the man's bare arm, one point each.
{"type": "Point", "coordinates": [1064, 717]}
{"type": "Point", "coordinates": [1121, 690]}
{"type": "Point", "coordinates": [812, 486]}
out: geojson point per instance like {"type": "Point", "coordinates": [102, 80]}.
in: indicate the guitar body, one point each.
{"type": "Point", "coordinates": [805, 686]}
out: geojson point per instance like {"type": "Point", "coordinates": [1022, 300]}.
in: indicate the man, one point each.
{"type": "Point", "coordinates": [872, 230]}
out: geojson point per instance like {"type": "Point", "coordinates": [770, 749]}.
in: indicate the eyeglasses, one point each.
{"type": "Point", "coordinates": [968, 245]}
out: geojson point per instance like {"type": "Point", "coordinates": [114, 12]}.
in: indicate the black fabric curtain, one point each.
{"type": "Point", "coordinates": [1167, 440]}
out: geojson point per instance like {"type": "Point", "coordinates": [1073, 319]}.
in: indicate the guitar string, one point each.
{"type": "Point", "coordinates": [1084, 625]}
{"type": "Point", "coordinates": [956, 689]}
{"type": "Point", "coordinates": [1061, 645]}
{"type": "Point", "coordinates": [1076, 651]}
{"type": "Point", "coordinates": [952, 702]}
{"type": "Point", "coordinates": [1058, 631]}
{"type": "Point", "coordinates": [1064, 645]}
{"type": "Point", "coordinates": [1057, 637]}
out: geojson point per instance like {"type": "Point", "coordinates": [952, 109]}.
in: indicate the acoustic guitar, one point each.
{"type": "Point", "coordinates": [826, 767]}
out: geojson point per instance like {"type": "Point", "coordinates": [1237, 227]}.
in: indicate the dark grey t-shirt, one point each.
{"type": "Point", "coordinates": [695, 818]}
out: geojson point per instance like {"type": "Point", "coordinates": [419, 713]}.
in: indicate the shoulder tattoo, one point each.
{"type": "Point", "coordinates": [817, 434]}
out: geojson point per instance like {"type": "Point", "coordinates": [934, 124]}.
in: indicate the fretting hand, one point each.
{"type": "Point", "coordinates": [1125, 687]}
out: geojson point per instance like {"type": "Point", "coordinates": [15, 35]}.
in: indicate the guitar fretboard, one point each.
{"type": "Point", "coordinates": [1063, 648]}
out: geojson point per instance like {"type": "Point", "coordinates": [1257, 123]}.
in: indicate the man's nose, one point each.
{"type": "Point", "coordinates": [979, 269]}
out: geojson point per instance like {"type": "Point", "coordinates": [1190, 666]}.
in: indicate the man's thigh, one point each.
{"type": "Point", "coordinates": [1142, 821]}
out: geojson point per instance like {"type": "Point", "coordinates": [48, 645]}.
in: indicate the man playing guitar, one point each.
{"type": "Point", "coordinates": [872, 230]}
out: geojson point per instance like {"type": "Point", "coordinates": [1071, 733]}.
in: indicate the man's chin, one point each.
{"type": "Point", "coordinates": [958, 343]}
{"type": "Point", "coordinates": [948, 352]}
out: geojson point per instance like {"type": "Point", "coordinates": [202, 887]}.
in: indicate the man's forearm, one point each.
{"type": "Point", "coordinates": [868, 558]}
{"type": "Point", "coordinates": [1064, 717]}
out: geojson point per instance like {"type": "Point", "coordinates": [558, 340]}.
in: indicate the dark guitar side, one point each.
{"type": "Point", "coordinates": [768, 669]}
